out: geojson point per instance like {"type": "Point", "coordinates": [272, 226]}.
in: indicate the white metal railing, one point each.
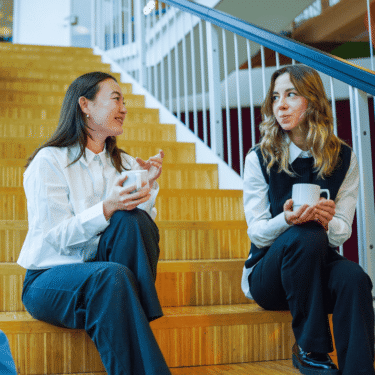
{"type": "Point", "coordinates": [192, 67]}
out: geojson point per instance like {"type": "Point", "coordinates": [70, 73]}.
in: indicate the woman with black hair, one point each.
{"type": "Point", "coordinates": [91, 250]}
{"type": "Point", "coordinates": [293, 262]}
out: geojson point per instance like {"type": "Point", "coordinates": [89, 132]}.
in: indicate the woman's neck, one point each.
{"type": "Point", "coordinates": [298, 137]}
{"type": "Point", "coordinates": [95, 145]}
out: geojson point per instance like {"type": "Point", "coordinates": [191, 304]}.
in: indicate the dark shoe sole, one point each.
{"type": "Point", "coordinates": [310, 371]}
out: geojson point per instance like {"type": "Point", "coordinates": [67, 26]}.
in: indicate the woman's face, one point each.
{"type": "Point", "coordinates": [288, 107]}
{"type": "Point", "coordinates": [107, 111]}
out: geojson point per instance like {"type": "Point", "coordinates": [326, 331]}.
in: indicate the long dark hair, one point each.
{"type": "Point", "coordinates": [72, 128]}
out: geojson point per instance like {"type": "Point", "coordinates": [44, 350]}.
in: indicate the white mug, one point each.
{"type": "Point", "coordinates": [306, 194]}
{"type": "Point", "coordinates": [136, 177]}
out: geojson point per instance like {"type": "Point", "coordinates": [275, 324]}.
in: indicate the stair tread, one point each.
{"type": "Point", "coordinates": [22, 162]}
{"type": "Point", "coordinates": [21, 122]}
{"type": "Point", "coordinates": [23, 224]}
{"type": "Point", "coordinates": [280, 367]}
{"type": "Point", "coordinates": [174, 317]}
{"type": "Point", "coordinates": [187, 193]}
{"type": "Point", "coordinates": [192, 265]}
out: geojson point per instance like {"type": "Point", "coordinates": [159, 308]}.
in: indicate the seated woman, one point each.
{"type": "Point", "coordinates": [293, 262]}
{"type": "Point", "coordinates": [91, 250]}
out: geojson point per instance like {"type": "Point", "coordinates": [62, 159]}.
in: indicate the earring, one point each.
{"type": "Point", "coordinates": [87, 116]}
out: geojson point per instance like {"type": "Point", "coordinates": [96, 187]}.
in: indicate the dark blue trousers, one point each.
{"type": "Point", "coordinates": [113, 298]}
{"type": "Point", "coordinates": [7, 366]}
{"type": "Point", "coordinates": [301, 273]}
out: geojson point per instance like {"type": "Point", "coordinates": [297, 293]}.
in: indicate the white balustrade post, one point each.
{"type": "Point", "coordinates": [365, 205]}
{"type": "Point", "coordinates": [140, 40]}
{"type": "Point", "coordinates": [216, 122]}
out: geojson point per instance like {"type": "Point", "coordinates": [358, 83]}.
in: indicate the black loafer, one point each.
{"type": "Point", "coordinates": [313, 363]}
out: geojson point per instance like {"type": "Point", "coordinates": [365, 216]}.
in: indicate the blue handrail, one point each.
{"type": "Point", "coordinates": [336, 67]}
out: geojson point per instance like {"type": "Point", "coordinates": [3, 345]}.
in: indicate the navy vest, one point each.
{"type": "Point", "coordinates": [280, 186]}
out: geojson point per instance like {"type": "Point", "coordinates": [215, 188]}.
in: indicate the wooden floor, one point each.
{"type": "Point", "coordinates": [261, 368]}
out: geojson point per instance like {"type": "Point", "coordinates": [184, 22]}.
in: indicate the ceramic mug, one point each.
{"type": "Point", "coordinates": [306, 194]}
{"type": "Point", "coordinates": [136, 177]}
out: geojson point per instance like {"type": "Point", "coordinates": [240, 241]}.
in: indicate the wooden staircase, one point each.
{"type": "Point", "coordinates": [209, 326]}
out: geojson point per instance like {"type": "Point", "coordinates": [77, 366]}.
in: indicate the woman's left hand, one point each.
{"type": "Point", "coordinates": [324, 212]}
{"type": "Point", "coordinates": [153, 165]}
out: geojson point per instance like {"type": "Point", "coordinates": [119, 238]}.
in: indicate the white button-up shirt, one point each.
{"type": "Point", "coordinates": [65, 205]}
{"type": "Point", "coordinates": [263, 229]}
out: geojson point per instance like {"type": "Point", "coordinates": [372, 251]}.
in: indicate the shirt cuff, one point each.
{"type": "Point", "coordinates": [279, 222]}
{"type": "Point", "coordinates": [94, 217]}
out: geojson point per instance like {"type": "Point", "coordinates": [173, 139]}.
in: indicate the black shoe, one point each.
{"type": "Point", "coordinates": [313, 363]}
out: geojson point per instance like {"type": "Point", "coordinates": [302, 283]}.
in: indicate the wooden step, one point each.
{"type": "Point", "coordinates": [30, 49]}
{"type": "Point", "coordinates": [53, 67]}
{"type": "Point", "coordinates": [43, 129]}
{"type": "Point", "coordinates": [47, 99]}
{"type": "Point", "coordinates": [58, 86]}
{"type": "Point", "coordinates": [282, 367]}
{"type": "Point", "coordinates": [179, 240]}
{"type": "Point", "coordinates": [188, 336]}
{"type": "Point", "coordinates": [51, 58]}
{"type": "Point", "coordinates": [65, 75]}
{"type": "Point", "coordinates": [179, 283]}
{"type": "Point", "coordinates": [174, 176]}
{"type": "Point", "coordinates": [175, 152]}
{"type": "Point", "coordinates": [172, 204]}
{"type": "Point", "coordinates": [52, 112]}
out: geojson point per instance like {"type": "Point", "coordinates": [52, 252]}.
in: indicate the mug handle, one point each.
{"type": "Point", "coordinates": [325, 191]}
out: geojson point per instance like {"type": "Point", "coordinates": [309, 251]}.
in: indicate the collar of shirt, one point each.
{"type": "Point", "coordinates": [90, 156]}
{"type": "Point", "coordinates": [295, 152]}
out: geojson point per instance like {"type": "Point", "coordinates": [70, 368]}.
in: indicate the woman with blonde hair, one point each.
{"type": "Point", "coordinates": [293, 262]}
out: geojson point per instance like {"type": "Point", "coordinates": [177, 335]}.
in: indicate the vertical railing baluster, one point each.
{"type": "Point", "coordinates": [334, 117]}
{"type": "Point", "coordinates": [277, 60]}
{"type": "Point", "coordinates": [193, 76]}
{"type": "Point", "coordinates": [130, 22]}
{"type": "Point", "coordinates": [239, 109]}
{"type": "Point", "coordinates": [140, 38]}
{"type": "Point", "coordinates": [213, 68]}
{"type": "Point", "coordinates": [161, 54]}
{"type": "Point", "coordinates": [93, 24]}
{"type": "Point", "coordinates": [184, 68]}
{"type": "Point", "coordinates": [365, 205]}
{"type": "Point", "coordinates": [227, 109]}
{"type": "Point", "coordinates": [111, 25]}
{"type": "Point", "coordinates": [252, 111]}
{"type": "Point", "coordinates": [263, 71]}
{"type": "Point", "coordinates": [371, 42]}
{"type": "Point", "coordinates": [178, 104]}
{"type": "Point", "coordinates": [203, 79]}
{"type": "Point", "coordinates": [169, 57]}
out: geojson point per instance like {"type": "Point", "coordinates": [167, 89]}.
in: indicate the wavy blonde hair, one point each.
{"type": "Point", "coordinates": [324, 145]}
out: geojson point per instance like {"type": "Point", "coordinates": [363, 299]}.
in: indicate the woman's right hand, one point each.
{"type": "Point", "coordinates": [122, 199]}
{"type": "Point", "coordinates": [304, 214]}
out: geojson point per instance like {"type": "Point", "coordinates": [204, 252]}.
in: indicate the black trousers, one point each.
{"type": "Point", "coordinates": [113, 298]}
{"type": "Point", "coordinates": [301, 273]}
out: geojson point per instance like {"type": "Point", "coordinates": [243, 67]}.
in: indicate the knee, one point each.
{"type": "Point", "coordinates": [356, 283]}
{"type": "Point", "coordinates": [113, 279]}
{"type": "Point", "coordinates": [310, 239]}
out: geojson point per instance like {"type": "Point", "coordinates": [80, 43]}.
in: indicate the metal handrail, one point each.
{"type": "Point", "coordinates": [336, 67]}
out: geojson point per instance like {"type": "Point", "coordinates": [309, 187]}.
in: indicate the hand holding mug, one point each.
{"type": "Point", "coordinates": [304, 213]}
{"type": "Point", "coordinates": [124, 198]}
{"type": "Point", "coordinates": [324, 212]}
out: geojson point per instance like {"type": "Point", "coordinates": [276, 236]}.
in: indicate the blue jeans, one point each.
{"type": "Point", "coordinates": [7, 366]}
{"type": "Point", "coordinates": [113, 298]}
